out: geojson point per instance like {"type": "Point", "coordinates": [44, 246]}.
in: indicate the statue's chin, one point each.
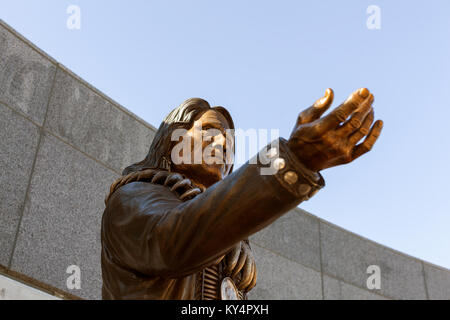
{"type": "Point", "coordinates": [203, 174]}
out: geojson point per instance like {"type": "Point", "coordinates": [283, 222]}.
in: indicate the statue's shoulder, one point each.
{"type": "Point", "coordinates": [137, 188]}
{"type": "Point", "coordinates": [154, 182]}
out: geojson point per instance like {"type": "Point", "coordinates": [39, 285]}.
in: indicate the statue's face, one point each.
{"type": "Point", "coordinates": [209, 132]}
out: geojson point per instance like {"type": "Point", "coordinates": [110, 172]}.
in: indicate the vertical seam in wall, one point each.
{"type": "Point", "coordinates": [22, 208]}
{"type": "Point", "coordinates": [425, 281]}
{"type": "Point", "coordinates": [50, 97]}
{"type": "Point", "coordinates": [320, 259]}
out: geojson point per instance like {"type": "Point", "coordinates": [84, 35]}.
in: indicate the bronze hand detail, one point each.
{"type": "Point", "coordinates": [324, 142]}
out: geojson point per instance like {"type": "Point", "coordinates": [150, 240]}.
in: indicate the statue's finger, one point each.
{"type": "Point", "coordinates": [341, 113]}
{"type": "Point", "coordinates": [357, 118]}
{"type": "Point", "coordinates": [370, 140]}
{"type": "Point", "coordinates": [363, 130]}
{"type": "Point", "coordinates": [317, 109]}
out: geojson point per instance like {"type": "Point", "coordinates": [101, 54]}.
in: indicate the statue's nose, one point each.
{"type": "Point", "coordinates": [219, 140]}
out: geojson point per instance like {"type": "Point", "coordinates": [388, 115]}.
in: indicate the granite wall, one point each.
{"type": "Point", "coordinates": [62, 144]}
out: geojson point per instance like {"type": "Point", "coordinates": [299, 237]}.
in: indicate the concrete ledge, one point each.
{"type": "Point", "coordinates": [40, 286]}
{"type": "Point", "coordinates": [14, 290]}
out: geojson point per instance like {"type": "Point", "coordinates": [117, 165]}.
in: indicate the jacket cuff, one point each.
{"type": "Point", "coordinates": [300, 181]}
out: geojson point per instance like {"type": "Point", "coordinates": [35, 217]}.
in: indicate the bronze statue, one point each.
{"type": "Point", "coordinates": [179, 231]}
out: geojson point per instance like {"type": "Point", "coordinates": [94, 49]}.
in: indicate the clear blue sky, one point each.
{"type": "Point", "coordinates": [267, 60]}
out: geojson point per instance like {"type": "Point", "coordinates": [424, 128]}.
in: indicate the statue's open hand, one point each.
{"type": "Point", "coordinates": [321, 143]}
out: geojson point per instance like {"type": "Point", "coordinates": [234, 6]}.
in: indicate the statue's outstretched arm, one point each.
{"type": "Point", "coordinates": [147, 228]}
{"type": "Point", "coordinates": [150, 230]}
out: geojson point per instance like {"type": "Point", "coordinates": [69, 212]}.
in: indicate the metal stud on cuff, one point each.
{"type": "Point", "coordinates": [304, 189]}
{"type": "Point", "coordinates": [272, 153]}
{"type": "Point", "coordinates": [290, 177]}
{"type": "Point", "coordinates": [279, 163]}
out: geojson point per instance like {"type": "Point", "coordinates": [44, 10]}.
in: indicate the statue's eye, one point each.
{"type": "Point", "coordinates": [211, 130]}
{"type": "Point", "coordinates": [207, 131]}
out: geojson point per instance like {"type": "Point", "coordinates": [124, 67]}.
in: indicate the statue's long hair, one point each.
{"type": "Point", "coordinates": [182, 117]}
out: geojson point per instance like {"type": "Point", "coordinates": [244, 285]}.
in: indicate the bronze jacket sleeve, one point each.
{"type": "Point", "coordinates": [146, 228]}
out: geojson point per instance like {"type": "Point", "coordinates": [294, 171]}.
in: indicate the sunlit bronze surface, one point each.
{"type": "Point", "coordinates": [179, 231]}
